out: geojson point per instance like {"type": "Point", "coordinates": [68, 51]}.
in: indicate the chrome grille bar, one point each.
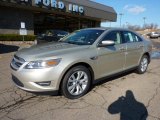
{"type": "Point", "coordinates": [17, 62]}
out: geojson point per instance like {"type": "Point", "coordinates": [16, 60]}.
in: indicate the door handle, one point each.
{"type": "Point", "coordinates": [94, 58]}
{"type": "Point", "coordinates": [141, 46]}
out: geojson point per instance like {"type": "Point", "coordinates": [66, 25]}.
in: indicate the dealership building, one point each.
{"type": "Point", "coordinates": [35, 16]}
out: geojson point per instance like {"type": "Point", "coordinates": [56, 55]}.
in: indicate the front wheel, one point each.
{"type": "Point", "coordinates": [76, 82]}
{"type": "Point", "coordinates": [143, 65]}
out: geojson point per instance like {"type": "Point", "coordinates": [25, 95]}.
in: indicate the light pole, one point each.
{"type": "Point", "coordinates": [121, 14]}
{"type": "Point", "coordinates": [110, 23]}
{"type": "Point", "coordinates": [127, 24]}
{"type": "Point", "coordinates": [144, 20]}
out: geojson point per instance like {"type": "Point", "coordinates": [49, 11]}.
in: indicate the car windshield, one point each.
{"type": "Point", "coordinates": [82, 37]}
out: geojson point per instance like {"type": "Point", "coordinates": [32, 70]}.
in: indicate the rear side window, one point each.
{"type": "Point", "coordinates": [136, 38]}
{"type": "Point", "coordinates": [130, 37]}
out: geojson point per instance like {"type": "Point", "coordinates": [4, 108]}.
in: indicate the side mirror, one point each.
{"type": "Point", "coordinates": [106, 43]}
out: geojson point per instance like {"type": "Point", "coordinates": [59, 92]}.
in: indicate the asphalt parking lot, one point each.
{"type": "Point", "coordinates": [126, 97]}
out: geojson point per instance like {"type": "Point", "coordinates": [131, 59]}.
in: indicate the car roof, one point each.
{"type": "Point", "coordinates": [108, 28]}
{"type": "Point", "coordinates": [113, 28]}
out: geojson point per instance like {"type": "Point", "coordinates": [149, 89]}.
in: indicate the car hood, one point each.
{"type": "Point", "coordinates": [49, 50]}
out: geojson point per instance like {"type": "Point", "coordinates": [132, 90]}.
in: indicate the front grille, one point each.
{"type": "Point", "coordinates": [17, 62]}
{"type": "Point", "coordinates": [18, 58]}
{"type": "Point", "coordinates": [17, 82]}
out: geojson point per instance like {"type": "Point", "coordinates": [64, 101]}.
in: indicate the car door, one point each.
{"type": "Point", "coordinates": [111, 59]}
{"type": "Point", "coordinates": [134, 49]}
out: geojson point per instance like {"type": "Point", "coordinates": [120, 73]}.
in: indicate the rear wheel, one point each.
{"type": "Point", "coordinates": [76, 82]}
{"type": "Point", "coordinates": [143, 65]}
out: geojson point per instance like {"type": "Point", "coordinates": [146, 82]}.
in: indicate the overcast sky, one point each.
{"type": "Point", "coordinates": [134, 11]}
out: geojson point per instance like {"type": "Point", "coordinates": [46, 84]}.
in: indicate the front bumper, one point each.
{"type": "Point", "coordinates": [27, 79]}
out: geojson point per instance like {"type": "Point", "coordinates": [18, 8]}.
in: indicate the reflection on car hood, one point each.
{"type": "Point", "coordinates": [48, 50]}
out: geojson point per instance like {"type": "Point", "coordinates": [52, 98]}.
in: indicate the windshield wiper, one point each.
{"type": "Point", "coordinates": [70, 42]}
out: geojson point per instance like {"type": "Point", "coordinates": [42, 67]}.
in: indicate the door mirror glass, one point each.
{"type": "Point", "coordinates": [105, 43]}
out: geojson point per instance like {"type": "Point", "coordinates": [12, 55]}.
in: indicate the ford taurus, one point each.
{"type": "Point", "coordinates": [79, 59]}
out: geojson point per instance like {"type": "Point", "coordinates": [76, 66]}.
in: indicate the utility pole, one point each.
{"type": "Point", "coordinates": [121, 14]}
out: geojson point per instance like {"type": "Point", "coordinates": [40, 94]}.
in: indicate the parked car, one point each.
{"type": "Point", "coordinates": [79, 59]}
{"type": "Point", "coordinates": [50, 36]}
{"type": "Point", "coordinates": [154, 35]}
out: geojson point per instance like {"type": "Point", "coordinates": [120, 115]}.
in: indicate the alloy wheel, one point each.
{"type": "Point", "coordinates": [144, 64]}
{"type": "Point", "coordinates": [77, 83]}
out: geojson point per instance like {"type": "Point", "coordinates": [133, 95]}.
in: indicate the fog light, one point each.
{"type": "Point", "coordinates": [48, 83]}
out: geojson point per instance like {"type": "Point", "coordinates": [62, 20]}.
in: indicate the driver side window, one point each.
{"type": "Point", "coordinates": [114, 36]}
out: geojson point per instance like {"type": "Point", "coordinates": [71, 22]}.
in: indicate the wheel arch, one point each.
{"type": "Point", "coordinates": [78, 64]}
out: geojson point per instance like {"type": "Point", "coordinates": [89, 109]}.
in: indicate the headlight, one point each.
{"type": "Point", "coordinates": [42, 64]}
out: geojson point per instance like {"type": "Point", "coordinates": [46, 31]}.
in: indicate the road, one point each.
{"type": "Point", "coordinates": [126, 97]}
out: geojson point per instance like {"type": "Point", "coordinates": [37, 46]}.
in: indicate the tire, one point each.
{"type": "Point", "coordinates": [75, 86]}
{"type": "Point", "coordinates": [143, 65]}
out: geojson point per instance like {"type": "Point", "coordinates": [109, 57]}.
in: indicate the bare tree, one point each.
{"type": "Point", "coordinates": [134, 27]}
{"type": "Point", "coordinates": [150, 26]}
